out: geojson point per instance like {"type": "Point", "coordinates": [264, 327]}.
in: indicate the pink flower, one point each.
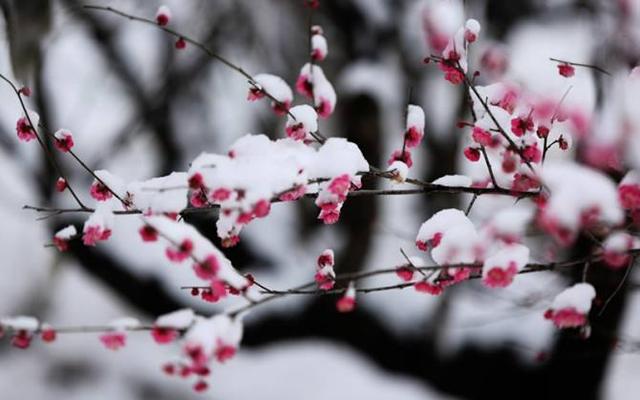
{"type": "Point", "coordinates": [520, 125]}
{"type": "Point", "coordinates": [324, 107]}
{"type": "Point", "coordinates": [221, 194]}
{"type": "Point", "coordinates": [163, 16]}
{"type": "Point", "coordinates": [509, 163]}
{"type": "Point", "coordinates": [24, 130]}
{"type": "Point", "coordinates": [180, 44]}
{"type": "Point", "coordinates": [340, 185]}
{"type": "Point", "coordinates": [163, 335]}
{"type": "Point", "coordinates": [48, 334]}
{"type": "Point", "coordinates": [296, 131]}
{"type": "Point", "coordinates": [200, 386]}
{"type": "Point", "coordinates": [329, 217]}
{"type": "Point", "coordinates": [532, 153]}
{"type": "Point", "coordinates": [113, 340]}
{"type": "Point", "coordinates": [481, 136]}
{"type": "Point", "coordinates": [262, 208]}
{"type": "Point", "coordinates": [61, 184]}
{"type": "Point", "coordinates": [472, 154]}
{"type": "Point", "coordinates": [25, 91]}
{"type": "Point", "coordinates": [326, 258]}
{"type": "Point", "coordinates": [346, 304]}
{"type": "Point", "coordinates": [100, 192]}
{"type": "Point", "coordinates": [523, 183]}
{"type": "Point", "coordinates": [208, 269]}
{"type": "Point", "coordinates": [148, 233]}
{"type": "Point", "coordinates": [21, 339]}
{"type": "Point", "coordinates": [181, 253]}
{"type": "Point", "coordinates": [566, 70]}
{"type": "Point", "coordinates": [196, 181]}
{"type": "Point", "coordinates": [324, 281]}
{"type": "Point", "coordinates": [94, 233]}
{"type": "Point", "coordinates": [230, 241]}
{"type": "Point", "coordinates": [542, 131]}
{"type": "Point", "coordinates": [198, 198]}
{"type": "Point", "coordinates": [304, 86]}
{"type": "Point", "coordinates": [629, 195]}
{"type": "Point", "coordinates": [280, 108]}
{"type": "Point", "coordinates": [425, 286]}
{"type": "Point", "coordinates": [451, 72]}
{"type": "Point", "coordinates": [217, 290]}
{"type": "Point", "coordinates": [405, 273]}
{"type": "Point", "coordinates": [63, 140]}
{"type": "Point", "coordinates": [413, 137]}
{"type": "Point", "coordinates": [294, 194]}
{"type": "Point", "coordinates": [500, 277]}
{"type": "Point", "coordinates": [224, 351]}
{"type": "Point", "coordinates": [399, 156]}
{"type": "Point", "coordinates": [567, 317]}
{"type": "Point", "coordinates": [255, 94]}
{"type": "Point", "coordinates": [60, 243]}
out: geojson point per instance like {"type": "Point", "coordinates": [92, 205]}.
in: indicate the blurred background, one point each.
{"type": "Point", "coordinates": [139, 108]}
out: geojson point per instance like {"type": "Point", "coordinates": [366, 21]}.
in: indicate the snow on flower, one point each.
{"type": "Point", "coordinates": [274, 86]}
{"type": "Point", "coordinates": [440, 20]}
{"type": "Point", "coordinates": [63, 140]}
{"type": "Point", "coordinates": [302, 121]}
{"type": "Point", "coordinates": [215, 338]}
{"type": "Point", "coordinates": [167, 327]}
{"type": "Point", "coordinates": [347, 302]}
{"type": "Point", "coordinates": [629, 191]}
{"type": "Point", "coordinates": [399, 171]}
{"type": "Point", "coordinates": [569, 309]}
{"type": "Point", "coordinates": [207, 256]}
{"type": "Point", "coordinates": [415, 126]}
{"type": "Point", "coordinates": [313, 83]}
{"type": "Point", "coordinates": [98, 226]}
{"type": "Point", "coordinates": [615, 249]}
{"type": "Point", "coordinates": [23, 328]}
{"type": "Point", "coordinates": [117, 337]}
{"type": "Point", "coordinates": [580, 197]}
{"type": "Point", "coordinates": [319, 47]}
{"type": "Point", "coordinates": [471, 30]}
{"type": "Point", "coordinates": [509, 225]}
{"type": "Point", "coordinates": [62, 237]}
{"type": "Point", "coordinates": [501, 267]}
{"type": "Point", "coordinates": [325, 275]}
{"type": "Point", "coordinates": [163, 15]}
{"type": "Point", "coordinates": [432, 230]}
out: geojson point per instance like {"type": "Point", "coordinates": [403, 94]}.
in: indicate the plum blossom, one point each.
{"type": "Point", "coordinates": [163, 15]}
{"type": "Point", "coordinates": [325, 276]}
{"type": "Point", "coordinates": [24, 129]}
{"type": "Point", "coordinates": [276, 88]}
{"type": "Point", "coordinates": [347, 302]}
{"type": "Point", "coordinates": [63, 140]}
{"type": "Point", "coordinates": [615, 249]}
{"type": "Point", "coordinates": [319, 47]}
{"type": "Point", "coordinates": [302, 121]}
{"type": "Point", "coordinates": [415, 126]}
{"type": "Point", "coordinates": [569, 309]}
{"type": "Point", "coordinates": [500, 268]}
{"type": "Point", "coordinates": [98, 226]}
{"type": "Point", "coordinates": [63, 236]}
{"type": "Point", "coordinates": [313, 83]}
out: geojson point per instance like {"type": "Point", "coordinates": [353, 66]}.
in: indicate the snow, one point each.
{"type": "Point", "coordinates": [578, 296]}
{"type": "Point", "coordinates": [305, 115]}
{"type": "Point", "coordinates": [575, 190]}
{"type": "Point", "coordinates": [454, 181]}
{"type": "Point", "coordinates": [124, 323]}
{"type": "Point", "coordinates": [20, 323]}
{"type": "Point", "coordinates": [442, 222]}
{"type": "Point", "coordinates": [66, 233]}
{"type": "Point", "coordinates": [401, 171]}
{"type": "Point", "coordinates": [415, 117]}
{"type": "Point", "coordinates": [180, 319]}
{"type": "Point", "coordinates": [275, 86]}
